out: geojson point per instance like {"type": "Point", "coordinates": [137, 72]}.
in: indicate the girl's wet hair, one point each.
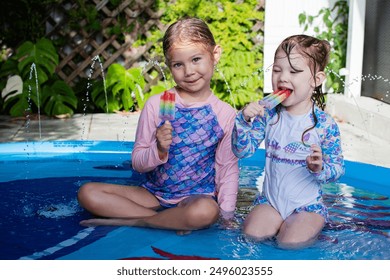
{"type": "Point", "coordinates": [316, 51]}
{"type": "Point", "coordinates": [188, 30]}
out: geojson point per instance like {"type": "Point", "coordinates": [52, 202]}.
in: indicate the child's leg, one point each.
{"type": "Point", "coordinates": [300, 229]}
{"type": "Point", "coordinates": [196, 212]}
{"type": "Point", "coordinates": [262, 222]}
{"type": "Point", "coordinates": [109, 200]}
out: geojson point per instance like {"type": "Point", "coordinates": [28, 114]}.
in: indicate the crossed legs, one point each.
{"type": "Point", "coordinates": [135, 206]}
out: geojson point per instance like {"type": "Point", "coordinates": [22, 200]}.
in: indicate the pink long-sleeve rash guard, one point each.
{"type": "Point", "coordinates": [145, 154]}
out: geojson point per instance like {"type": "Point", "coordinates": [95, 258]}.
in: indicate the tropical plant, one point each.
{"type": "Point", "coordinates": [35, 65]}
{"type": "Point", "coordinates": [122, 89]}
{"type": "Point", "coordinates": [331, 24]}
{"type": "Point", "coordinates": [58, 99]}
{"type": "Point", "coordinates": [237, 81]}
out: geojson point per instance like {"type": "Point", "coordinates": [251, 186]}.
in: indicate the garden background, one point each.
{"type": "Point", "coordinates": [55, 53]}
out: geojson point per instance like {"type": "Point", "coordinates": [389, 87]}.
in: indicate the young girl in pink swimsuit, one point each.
{"type": "Point", "coordinates": [191, 171]}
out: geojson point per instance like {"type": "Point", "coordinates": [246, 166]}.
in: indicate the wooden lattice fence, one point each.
{"type": "Point", "coordinates": [81, 47]}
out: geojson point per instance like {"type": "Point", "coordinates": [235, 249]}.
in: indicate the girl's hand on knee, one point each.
{"type": "Point", "coordinates": [314, 160]}
{"type": "Point", "coordinates": [252, 110]}
{"type": "Point", "coordinates": [232, 223]}
{"type": "Point", "coordinates": [164, 139]}
{"type": "Point", "coordinates": [227, 220]}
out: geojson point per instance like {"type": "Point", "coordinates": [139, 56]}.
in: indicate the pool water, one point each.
{"type": "Point", "coordinates": [39, 184]}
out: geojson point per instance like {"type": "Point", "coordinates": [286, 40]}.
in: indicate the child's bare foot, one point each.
{"type": "Point", "coordinates": [108, 222]}
{"type": "Point", "coordinates": [92, 222]}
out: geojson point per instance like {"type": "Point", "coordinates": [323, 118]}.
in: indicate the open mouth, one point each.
{"type": "Point", "coordinates": [286, 90]}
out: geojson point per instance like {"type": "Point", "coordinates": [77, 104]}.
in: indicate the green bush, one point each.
{"type": "Point", "coordinates": [239, 77]}
{"type": "Point", "coordinates": [237, 81]}
{"type": "Point", "coordinates": [41, 89]}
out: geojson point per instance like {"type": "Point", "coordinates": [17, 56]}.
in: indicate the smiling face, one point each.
{"type": "Point", "coordinates": [192, 67]}
{"type": "Point", "coordinates": [293, 72]}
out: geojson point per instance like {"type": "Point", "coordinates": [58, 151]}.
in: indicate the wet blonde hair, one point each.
{"type": "Point", "coordinates": [189, 30]}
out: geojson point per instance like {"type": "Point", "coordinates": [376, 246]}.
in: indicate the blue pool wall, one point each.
{"type": "Point", "coordinates": [361, 175]}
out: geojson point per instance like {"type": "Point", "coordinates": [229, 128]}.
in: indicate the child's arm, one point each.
{"type": "Point", "coordinates": [332, 158]}
{"type": "Point", "coordinates": [247, 136]}
{"type": "Point", "coordinates": [145, 156]}
{"type": "Point", "coordinates": [226, 166]}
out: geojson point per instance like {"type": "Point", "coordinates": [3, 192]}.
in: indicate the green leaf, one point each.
{"type": "Point", "coordinates": [58, 99]}
{"type": "Point", "coordinates": [302, 18]}
{"type": "Point", "coordinates": [42, 54]}
{"type": "Point", "coordinates": [9, 67]}
{"type": "Point", "coordinates": [124, 88]}
{"type": "Point", "coordinates": [18, 106]}
{"type": "Point", "coordinates": [25, 102]}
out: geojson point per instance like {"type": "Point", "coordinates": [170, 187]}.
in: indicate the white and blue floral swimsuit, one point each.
{"type": "Point", "coordinates": [289, 186]}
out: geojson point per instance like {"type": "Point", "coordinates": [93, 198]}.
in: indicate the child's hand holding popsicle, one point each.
{"type": "Point", "coordinates": [252, 110]}
{"type": "Point", "coordinates": [256, 108]}
{"type": "Point", "coordinates": [274, 99]}
{"type": "Point", "coordinates": [164, 132]}
{"type": "Point", "coordinates": [164, 139]}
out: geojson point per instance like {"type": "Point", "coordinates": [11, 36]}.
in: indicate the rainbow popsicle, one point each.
{"type": "Point", "coordinates": [272, 100]}
{"type": "Point", "coordinates": [167, 106]}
